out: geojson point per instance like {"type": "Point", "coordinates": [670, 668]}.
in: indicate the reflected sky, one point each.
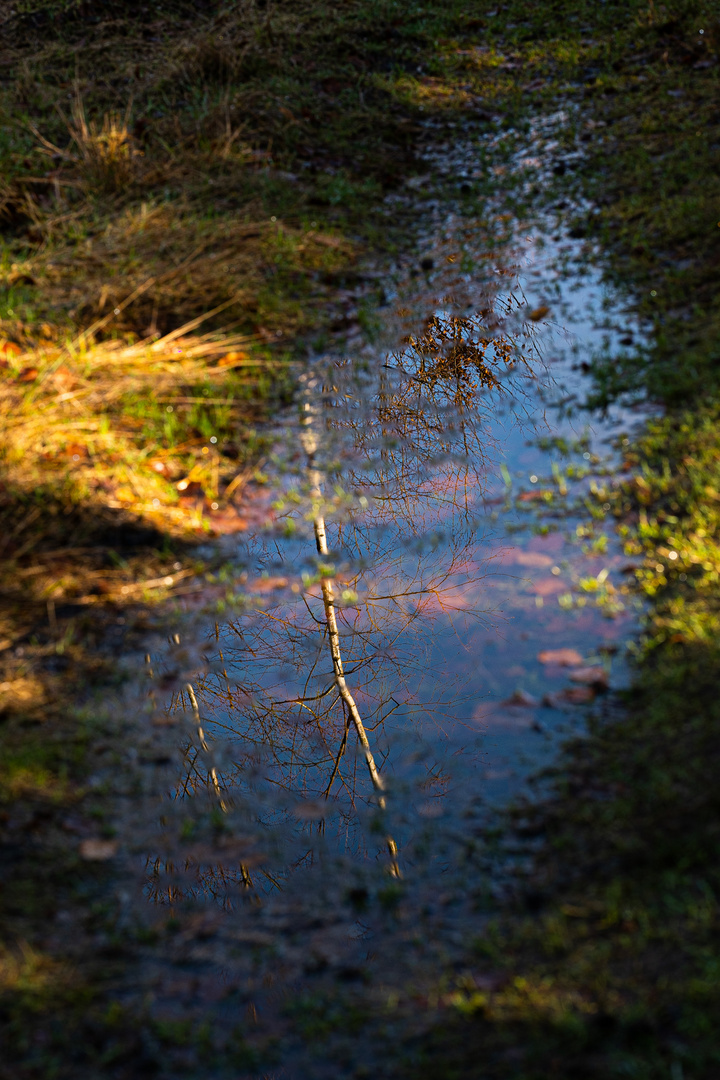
{"type": "Point", "coordinates": [449, 465]}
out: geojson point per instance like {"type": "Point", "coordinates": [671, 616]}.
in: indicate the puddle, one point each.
{"type": "Point", "coordinates": [433, 539]}
{"type": "Point", "coordinates": [460, 550]}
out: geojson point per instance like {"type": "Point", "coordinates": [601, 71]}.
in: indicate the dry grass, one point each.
{"type": "Point", "coordinates": [115, 426]}
{"type": "Point", "coordinates": [103, 153]}
{"type": "Point", "coordinates": [177, 266]}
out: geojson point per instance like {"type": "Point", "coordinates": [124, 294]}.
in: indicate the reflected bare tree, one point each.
{"type": "Point", "coordinates": [392, 456]}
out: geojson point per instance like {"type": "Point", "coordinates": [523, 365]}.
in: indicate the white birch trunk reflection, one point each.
{"type": "Point", "coordinates": [408, 442]}
{"type": "Point", "coordinates": [316, 478]}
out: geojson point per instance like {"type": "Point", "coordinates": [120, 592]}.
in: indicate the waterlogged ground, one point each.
{"type": "Point", "coordinates": [433, 494]}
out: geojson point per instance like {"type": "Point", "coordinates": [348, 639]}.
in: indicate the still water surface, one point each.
{"type": "Point", "coordinates": [453, 476]}
{"type": "Point", "coordinates": [435, 605]}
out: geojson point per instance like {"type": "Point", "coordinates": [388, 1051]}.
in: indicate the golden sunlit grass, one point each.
{"type": "Point", "coordinates": [116, 402]}
{"type": "Point", "coordinates": [126, 427]}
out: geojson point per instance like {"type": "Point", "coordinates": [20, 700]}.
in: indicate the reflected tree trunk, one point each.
{"type": "Point", "coordinates": [316, 479]}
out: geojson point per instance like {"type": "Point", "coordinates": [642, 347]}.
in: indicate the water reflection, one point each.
{"type": "Point", "coordinates": [341, 713]}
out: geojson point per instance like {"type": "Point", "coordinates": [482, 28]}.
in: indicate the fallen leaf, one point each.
{"type": "Point", "coordinates": [263, 585]}
{"type": "Point", "coordinates": [562, 657]}
{"type": "Point", "coordinates": [521, 698]}
{"type": "Point", "coordinates": [539, 313]}
{"type": "Point", "coordinates": [592, 676]}
{"type": "Point", "coordinates": [227, 521]}
{"type": "Point", "coordinates": [9, 348]}
{"type": "Point", "coordinates": [125, 494]}
{"type": "Point", "coordinates": [192, 498]}
{"type": "Point", "coordinates": [28, 375]}
{"type": "Point", "coordinates": [530, 558]}
{"type": "Point", "coordinates": [76, 452]}
{"type": "Point", "coordinates": [549, 586]}
{"type": "Point", "coordinates": [98, 850]}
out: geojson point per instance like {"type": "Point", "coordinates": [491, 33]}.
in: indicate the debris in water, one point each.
{"type": "Point", "coordinates": [562, 657]}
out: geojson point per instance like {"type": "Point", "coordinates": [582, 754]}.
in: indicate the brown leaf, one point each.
{"type": "Point", "coordinates": [539, 313]}
{"type": "Point", "coordinates": [96, 850]}
{"type": "Point", "coordinates": [549, 586]}
{"type": "Point", "coordinates": [77, 452]}
{"type": "Point", "coordinates": [227, 521]}
{"type": "Point", "coordinates": [28, 375]}
{"type": "Point", "coordinates": [9, 348]}
{"type": "Point", "coordinates": [532, 496]}
{"type": "Point", "coordinates": [562, 657]}
{"type": "Point", "coordinates": [529, 558]}
{"type": "Point", "coordinates": [190, 501]}
{"type": "Point", "coordinates": [263, 585]}
{"type": "Point", "coordinates": [592, 676]}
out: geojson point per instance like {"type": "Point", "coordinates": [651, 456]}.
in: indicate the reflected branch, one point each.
{"type": "Point", "coordinates": [310, 442]}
